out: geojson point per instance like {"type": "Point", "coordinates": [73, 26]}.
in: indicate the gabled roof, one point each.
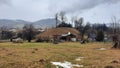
{"type": "Point", "coordinates": [58, 31]}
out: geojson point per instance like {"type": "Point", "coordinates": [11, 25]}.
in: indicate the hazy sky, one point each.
{"type": "Point", "coordinates": [33, 10]}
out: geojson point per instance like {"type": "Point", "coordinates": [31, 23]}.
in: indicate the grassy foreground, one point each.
{"type": "Point", "coordinates": [39, 55]}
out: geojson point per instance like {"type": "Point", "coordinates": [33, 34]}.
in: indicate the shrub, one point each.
{"type": "Point", "coordinates": [100, 36]}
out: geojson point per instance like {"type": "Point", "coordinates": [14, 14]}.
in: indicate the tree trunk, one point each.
{"type": "Point", "coordinates": [116, 42]}
{"type": "Point", "coordinates": [116, 45]}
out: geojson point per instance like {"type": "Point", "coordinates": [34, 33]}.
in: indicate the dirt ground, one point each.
{"type": "Point", "coordinates": [40, 55]}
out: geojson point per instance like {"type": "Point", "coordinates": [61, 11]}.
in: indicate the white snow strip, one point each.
{"type": "Point", "coordinates": [79, 58]}
{"type": "Point", "coordinates": [102, 49]}
{"type": "Point", "coordinates": [66, 64]}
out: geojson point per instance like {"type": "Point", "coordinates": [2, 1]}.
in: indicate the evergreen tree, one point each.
{"type": "Point", "coordinates": [100, 36]}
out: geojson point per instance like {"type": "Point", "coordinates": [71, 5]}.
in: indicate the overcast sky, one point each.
{"type": "Point", "coordinates": [32, 10]}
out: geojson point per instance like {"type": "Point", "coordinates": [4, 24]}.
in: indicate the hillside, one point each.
{"type": "Point", "coordinates": [44, 23]}
{"type": "Point", "coordinates": [12, 23]}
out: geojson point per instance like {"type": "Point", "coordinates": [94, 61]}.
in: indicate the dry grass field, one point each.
{"type": "Point", "coordinates": [40, 55]}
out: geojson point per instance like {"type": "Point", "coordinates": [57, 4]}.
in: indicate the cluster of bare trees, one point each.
{"type": "Point", "coordinates": [115, 25]}
{"type": "Point", "coordinates": [5, 33]}
{"type": "Point", "coordinates": [27, 33]}
{"type": "Point", "coordinates": [83, 27]}
{"type": "Point", "coordinates": [61, 20]}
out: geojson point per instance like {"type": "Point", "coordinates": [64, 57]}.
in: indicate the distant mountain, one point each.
{"type": "Point", "coordinates": [44, 23]}
{"type": "Point", "coordinates": [13, 23]}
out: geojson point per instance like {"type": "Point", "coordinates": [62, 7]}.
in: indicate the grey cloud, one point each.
{"type": "Point", "coordinates": [89, 4]}
{"type": "Point", "coordinates": [39, 9]}
{"type": "Point", "coordinates": [77, 5]}
{"type": "Point", "coordinates": [7, 2]}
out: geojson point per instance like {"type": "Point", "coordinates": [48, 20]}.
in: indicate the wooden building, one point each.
{"type": "Point", "coordinates": [62, 33]}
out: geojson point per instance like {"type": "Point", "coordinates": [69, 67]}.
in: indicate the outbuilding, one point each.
{"type": "Point", "coordinates": [62, 34]}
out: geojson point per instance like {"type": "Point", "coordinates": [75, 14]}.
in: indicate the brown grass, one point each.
{"type": "Point", "coordinates": [39, 55]}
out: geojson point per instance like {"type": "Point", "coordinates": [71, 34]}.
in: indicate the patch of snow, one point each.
{"type": "Point", "coordinates": [66, 64]}
{"type": "Point", "coordinates": [102, 49]}
{"type": "Point", "coordinates": [79, 58]}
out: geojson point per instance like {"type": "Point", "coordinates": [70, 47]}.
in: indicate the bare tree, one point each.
{"type": "Point", "coordinates": [79, 23]}
{"type": "Point", "coordinates": [79, 26]}
{"type": "Point", "coordinates": [3, 32]}
{"type": "Point", "coordinates": [74, 20]}
{"type": "Point", "coordinates": [62, 16]}
{"type": "Point", "coordinates": [116, 32]}
{"type": "Point", "coordinates": [85, 30]}
{"type": "Point", "coordinates": [28, 32]}
{"type": "Point", "coordinates": [63, 19]}
{"type": "Point", "coordinates": [56, 18]}
{"type": "Point", "coordinates": [115, 25]}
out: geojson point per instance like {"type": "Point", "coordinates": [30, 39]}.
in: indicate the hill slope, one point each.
{"type": "Point", "coordinates": [12, 23]}
{"type": "Point", "coordinates": [44, 23]}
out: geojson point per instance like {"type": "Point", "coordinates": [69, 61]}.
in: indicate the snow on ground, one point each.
{"type": "Point", "coordinates": [79, 58]}
{"type": "Point", "coordinates": [102, 49]}
{"type": "Point", "coordinates": [65, 64]}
